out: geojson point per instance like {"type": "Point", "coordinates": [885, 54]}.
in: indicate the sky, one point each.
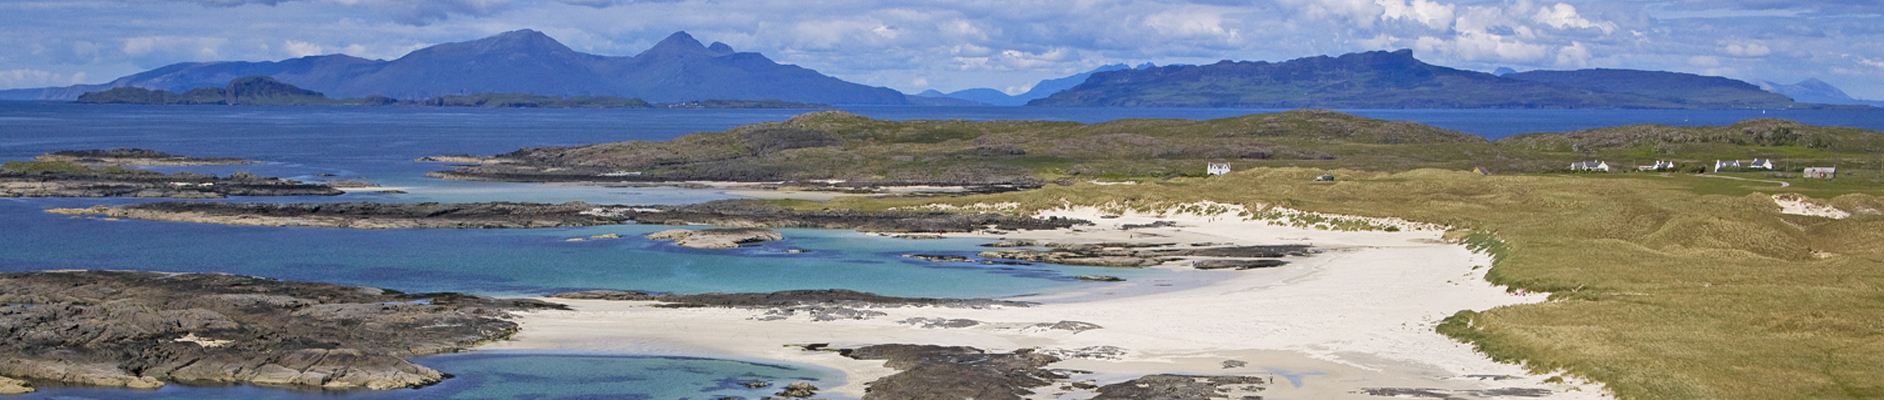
{"type": "Point", "coordinates": [1002, 44]}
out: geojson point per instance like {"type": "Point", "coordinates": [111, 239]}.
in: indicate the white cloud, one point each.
{"type": "Point", "coordinates": [1575, 55]}
{"type": "Point", "coordinates": [1747, 50]}
{"type": "Point", "coordinates": [1430, 13]}
{"type": "Point", "coordinates": [302, 49]}
{"type": "Point", "coordinates": [1191, 23]}
{"type": "Point", "coordinates": [30, 78]}
{"type": "Point", "coordinates": [1563, 16]}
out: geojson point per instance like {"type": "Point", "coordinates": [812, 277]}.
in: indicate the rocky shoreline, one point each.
{"type": "Point", "coordinates": [101, 173]}
{"type": "Point", "coordinates": [1148, 254]}
{"type": "Point", "coordinates": [496, 215]}
{"type": "Point", "coordinates": [144, 329]}
{"type": "Point", "coordinates": [123, 157]}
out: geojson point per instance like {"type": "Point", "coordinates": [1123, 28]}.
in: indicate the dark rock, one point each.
{"type": "Point", "coordinates": [788, 298]}
{"type": "Point", "coordinates": [1182, 387]}
{"type": "Point", "coordinates": [1138, 254]}
{"type": "Point", "coordinates": [935, 323]}
{"type": "Point", "coordinates": [798, 389]}
{"type": "Point", "coordinates": [1154, 224]}
{"type": "Point", "coordinates": [1075, 326]}
{"type": "Point", "coordinates": [927, 372]}
{"type": "Point", "coordinates": [139, 329]}
{"type": "Point", "coordinates": [939, 257]}
{"type": "Point", "coordinates": [1237, 264]}
{"type": "Point", "coordinates": [1099, 278]}
{"type": "Point", "coordinates": [1013, 243]}
{"type": "Point", "coordinates": [756, 384]}
{"type": "Point", "coordinates": [1228, 364]}
{"type": "Point", "coordinates": [1453, 394]}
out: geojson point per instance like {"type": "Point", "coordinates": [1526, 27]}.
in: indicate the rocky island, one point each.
{"type": "Point", "coordinates": [144, 329]}
{"type": "Point", "coordinates": [733, 213]}
{"type": "Point", "coordinates": [101, 173]}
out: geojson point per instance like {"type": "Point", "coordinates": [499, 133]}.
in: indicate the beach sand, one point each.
{"type": "Point", "coordinates": [1358, 315]}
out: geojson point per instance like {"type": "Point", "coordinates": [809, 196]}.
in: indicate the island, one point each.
{"type": "Point", "coordinates": [101, 173]}
{"type": "Point", "coordinates": [263, 90]}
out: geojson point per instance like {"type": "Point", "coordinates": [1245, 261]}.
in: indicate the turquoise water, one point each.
{"type": "Point", "coordinates": [513, 262]}
{"type": "Point", "coordinates": [525, 375]}
{"type": "Point", "coordinates": [379, 144]}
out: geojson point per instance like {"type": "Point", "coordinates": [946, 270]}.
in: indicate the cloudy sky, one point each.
{"type": "Point", "coordinates": [1002, 44]}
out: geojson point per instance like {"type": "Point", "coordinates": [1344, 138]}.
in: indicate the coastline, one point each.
{"type": "Point", "coordinates": [1359, 315]}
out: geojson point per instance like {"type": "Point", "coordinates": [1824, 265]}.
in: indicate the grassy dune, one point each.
{"type": "Point", "coordinates": [1665, 287]}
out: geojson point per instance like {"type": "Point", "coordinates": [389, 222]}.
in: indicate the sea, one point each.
{"type": "Point", "coordinates": [380, 145]}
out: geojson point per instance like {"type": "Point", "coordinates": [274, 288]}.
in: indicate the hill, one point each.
{"type": "Point", "coordinates": [1040, 90]}
{"type": "Point", "coordinates": [678, 69]}
{"type": "Point", "coordinates": [1381, 79]}
{"type": "Point", "coordinates": [1683, 90]}
{"type": "Point", "coordinates": [249, 90]}
{"type": "Point", "coordinates": [1813, 90]}
{"type": "Point", "coordinates": [859, 151]}
{"type": "Point", "coordinates": [262, 90]}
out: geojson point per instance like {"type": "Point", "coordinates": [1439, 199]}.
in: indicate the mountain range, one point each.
{"type": "Point", "coordinates": [1813, 90]}
{"type": "Point", "coordinates": [677, 69]}
{"type": "Point", "coordinates": [680, 69]}
{"type": "Point", "coordinates": [1380, 79]}
{"type": "Point", "coordinates": [1040, 90]}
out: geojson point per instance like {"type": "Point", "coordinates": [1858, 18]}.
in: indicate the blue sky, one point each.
{"type": "Point", "coordinates": [1002, 44]}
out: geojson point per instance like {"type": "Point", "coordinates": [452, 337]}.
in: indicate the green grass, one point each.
{"type": "Point", "coordinates": [1678, 287]}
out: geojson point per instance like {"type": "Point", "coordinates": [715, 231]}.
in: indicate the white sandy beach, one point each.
{"type": "Point", "coordinates": [1359, 315]}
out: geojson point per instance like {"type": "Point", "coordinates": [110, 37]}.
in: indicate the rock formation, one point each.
{"type": "Point", "coordinates": [142, 329]}
{"type": "Point", "coordinates": [725, 238]}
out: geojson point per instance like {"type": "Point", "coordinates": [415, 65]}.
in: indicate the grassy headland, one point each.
{"type": "Point", "coordinates": [861, 151]}
{"type": "Point", "coordinates": [1664, 287]}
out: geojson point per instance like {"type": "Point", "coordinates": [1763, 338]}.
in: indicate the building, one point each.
{"type": "Point", "coordinates": [1659, 166]}
{"type": "Point", "coordinates": [1757, 163]}
{"type": "Point", "coordinates": [1589, 166]}
{"type": "Point", "coordinates": [1217, 169]}
{"type": "Point", "coordinates": [1821, 172]}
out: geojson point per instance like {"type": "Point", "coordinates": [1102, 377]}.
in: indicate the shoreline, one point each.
{"type": "Point", "coordinates": [1357, 316]}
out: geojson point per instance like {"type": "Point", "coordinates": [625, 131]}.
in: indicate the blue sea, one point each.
{"type": "Point", "coordinates": [379, 144]}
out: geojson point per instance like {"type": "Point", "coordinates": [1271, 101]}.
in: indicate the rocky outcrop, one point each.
{"type": "Point", "coordinates": [1184, 387]}
{"type": "Point", "coordinates": [1237, 264]}
{"type": "Point", "coordinates": [798, 389]}
{"type": "Point", "coordinates": [741, 214]}
{"type": "Point", "coordinates": [927, 372]}
{"type": "Point", "coordinates": [361, 215]}
{"type": "Point", "coordinates": [725, 238]}
{"type": "Point", "coordinates": [141, 329]}
{"type": "Point", "coordinates": [14, 386]}
{"type": "Point", "coordinates": [788, 298]}
{"type": "Point", "coordinates": [37, 181]}
{"type": "Point", "coordinates": [1145, 255]}
{"type": "Point", "coordinates": [122, 157]}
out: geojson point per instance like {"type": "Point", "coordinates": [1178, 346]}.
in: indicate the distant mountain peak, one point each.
{"type": "Point", "coordinates": [682, 44]}
{"type": "Point", "coordinates": [720, 48]}
{"type": "Point", "coordinates": [522, 41]}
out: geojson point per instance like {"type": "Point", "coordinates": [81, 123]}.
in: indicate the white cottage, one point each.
{"type": "Point", "coordinates": [1589, 166]}
{"type": "Point", "coordinates": [1217, 169]}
